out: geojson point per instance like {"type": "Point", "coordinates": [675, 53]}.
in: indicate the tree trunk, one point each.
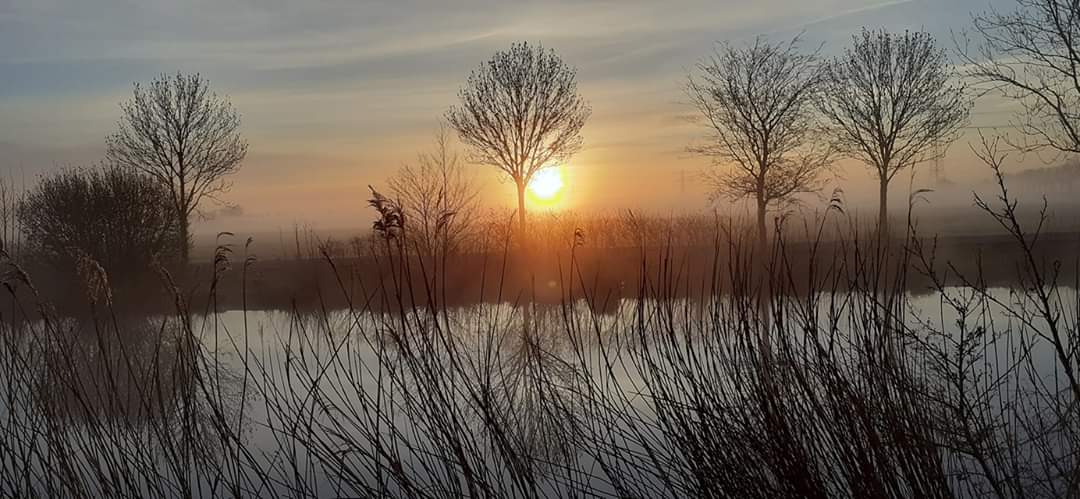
{"type": "Point", "coordinates": [521, 206]}
{"type": "Point", "coordinates": [761, 229]}
{"type": "Point", "coordinates": [185, 238]}
{"type": "Point", "coordinates": [883, 210]}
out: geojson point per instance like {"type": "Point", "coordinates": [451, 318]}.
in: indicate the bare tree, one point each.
{"type": "Point", "coordinates": [116, 217]}
{"type": "Point", "coordinates": [757, 101]}
{"type": "Point", "coordinates": [438, 198]}
{"type": "Point", "coordinates": [891, 102]}
{"type": "Point", "coordinates": [520, 112]}
{"type": "Point", "coordinates": [1032, 55]}
{"type": "Point", "coordinates": [183, 136]}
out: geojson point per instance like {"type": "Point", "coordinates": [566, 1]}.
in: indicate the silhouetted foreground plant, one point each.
{"type": "Point", "coordinates": [744, 379]}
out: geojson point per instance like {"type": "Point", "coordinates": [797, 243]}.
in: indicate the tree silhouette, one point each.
{"type": "Point", "coordinates": [890, 103]}
{"type": "Point", "coordinates": [437, 196]}
{"type": "Point", "coordinates": [520, 112]}
{"type": "Point", "coordinates": [183, 136]}
{"type": "Point", "coordinates": [1032, 55]}
{"type": "Point", "coordinates": [758, 104]}
{"type": "Point", "coordinates": [118, 218]}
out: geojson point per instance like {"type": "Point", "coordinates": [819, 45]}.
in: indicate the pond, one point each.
{"type": "Point", "coordinates": [535, 401]}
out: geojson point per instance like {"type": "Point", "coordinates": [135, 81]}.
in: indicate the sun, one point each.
{"type": "Point", "coordinates": [546, 184]}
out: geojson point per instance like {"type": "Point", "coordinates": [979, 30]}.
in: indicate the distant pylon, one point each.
{"type": "Point", "coordinates": [938, 168]}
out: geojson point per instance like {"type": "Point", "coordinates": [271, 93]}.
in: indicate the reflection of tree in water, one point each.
{"type": "Point", "coordinates": [139, 374]}
{"type": "Point", "coordinates": [532, 390]}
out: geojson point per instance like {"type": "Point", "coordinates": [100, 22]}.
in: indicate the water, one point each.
{"type": "Point", "coordinates": [302, 404]}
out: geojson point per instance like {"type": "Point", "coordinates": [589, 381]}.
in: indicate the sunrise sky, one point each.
{"type": "Point", "coordinates": [336, 95]}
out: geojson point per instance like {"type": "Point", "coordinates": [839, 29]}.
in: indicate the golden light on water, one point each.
{"type": "Point", "coordinates": [546, 184]}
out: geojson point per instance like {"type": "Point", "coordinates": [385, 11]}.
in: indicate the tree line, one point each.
{"type": "Point", "coordinates": [775, 120]}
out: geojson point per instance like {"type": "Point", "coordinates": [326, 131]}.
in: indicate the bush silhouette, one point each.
{"type": "Point", "coordinates": [114, 217]}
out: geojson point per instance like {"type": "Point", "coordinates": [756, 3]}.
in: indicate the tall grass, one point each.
{"type": "Point", "coordinates": [771, 373]}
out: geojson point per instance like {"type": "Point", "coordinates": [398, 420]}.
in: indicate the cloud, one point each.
{"type": "Point", "coordinates": [334, 94]}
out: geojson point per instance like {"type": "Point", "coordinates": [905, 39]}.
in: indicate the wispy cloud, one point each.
{"type": "Point", "coordinates": [348, 89]}
{"type": "Point", "coordinates": [857, 11]}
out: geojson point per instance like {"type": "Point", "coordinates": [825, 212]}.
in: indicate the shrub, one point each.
{"type": "Point", "coordinates": [114, 217]}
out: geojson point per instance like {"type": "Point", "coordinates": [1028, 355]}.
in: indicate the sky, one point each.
{"type": "Point", "coordinates": [335, 95]}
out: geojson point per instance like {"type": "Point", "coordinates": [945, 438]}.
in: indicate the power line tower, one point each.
{"type": "Point", "coordinates": [938, 168]}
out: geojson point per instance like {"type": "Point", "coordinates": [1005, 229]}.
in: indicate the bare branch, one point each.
{"type": "Point", "coordinates": [1031, 56]}
{"type": "Point", "coordinates": [438, 197]}
{"type": "Point", "coordinates": [520, 112]}
{"type": "Point", "coordinates": [183, 136]}
{"type": "Point", "coordinates": [116, 217]}
{"type": "Point", "coordinates": [757, 102]}
{"type": "Point", "coordinates": [892, 101]}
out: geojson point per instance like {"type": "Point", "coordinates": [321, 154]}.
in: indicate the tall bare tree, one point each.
{"type": "Point", "coordinates": [757, 101]}
{"type": "Point", "coordinates": [521, 112]}
{"type": "Point", "coordinates": [438, 198]}
{"type": "Point", "coordinates": [183, 136]}
{"type": "Point", "coordinates": [892, 101]}
{"type": "Point", "coordinates": [1032, 55]}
